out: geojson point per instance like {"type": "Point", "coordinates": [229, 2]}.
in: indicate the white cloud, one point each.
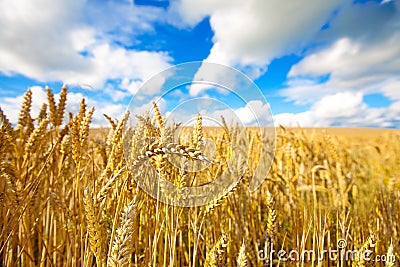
{"type": "Point", "coordinates": [362, 55]}
{"type": "Point", "coordinates": [155, 85]}
{"type": "Point", "coordinates": [339, 105]}
{"type": "Point", "coordinates": [345, 109]}
{"type": "Point", "coordinates": [391, 88]}
{"type": "Point", "coordinates": [190, 12]}
{"type": "Point", "coordinates": [255, 113]}
{"type": "Point", "coordinates": [110, 62]}
{"type": "Point", "coordinates": [304, 119]}
{"type": "Point", "coordinates": [196, 88]}
{"type": "Point", "coordinates": [350, 66]}
{"type": "Point", "coordinates": [53, 41]}
{"type": "Point", "coordinates": [358, 55]}
{"type": "Point", "coordinates": [347, 59]}
{"type": "Point", "coordinates": [393, 111]}
{"type": "Point", "coordinates": [249, 34]}
{"type": "Point", "coordinates": [31, 42]}
{"type": "Point", "coordinates": [132, 86]}
{"type": "Point", "coordinates": [216, 77]}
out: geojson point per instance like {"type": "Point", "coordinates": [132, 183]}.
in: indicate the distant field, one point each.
{"type": "Point", "coordinates": [352, 132]}
{"type": "Point", "coordinates": [344, 132]}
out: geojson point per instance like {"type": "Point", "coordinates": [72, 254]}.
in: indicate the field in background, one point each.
{"type": "Point", "coordinates": [68, 198]}
{"type": "Point", "coordinates": [351, 132]}
{"type": "Point", "coordinates": [344, 132]}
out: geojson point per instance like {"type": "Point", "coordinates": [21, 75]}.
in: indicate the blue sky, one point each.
{"type": "Point", "coordinates": [318, 63]}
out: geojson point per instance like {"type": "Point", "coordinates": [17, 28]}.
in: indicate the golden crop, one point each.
{"type": "Point", "coordinates": [69, 198]}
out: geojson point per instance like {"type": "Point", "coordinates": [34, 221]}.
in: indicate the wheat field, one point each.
{"type": "Point", "coordinates": [69, 198]}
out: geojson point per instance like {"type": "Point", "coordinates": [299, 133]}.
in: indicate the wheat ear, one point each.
{"type": "Point", "coordinates": [25, 119]}
{"type": "Point", "coordinates": [111, 121]}
{"type": "Point", "coordinates": [157, 117]}
{"type": "Point", "coordinates": [34, 137]}
{"type": "Point", "coordinates": [122, 247]}
{"type": "Point", "coordinates": [61, 106]}
{"type": "Point", "coordinates": [271, 219]}
{"type": "Point", "coordinates": [52, 105]}
{"type": "Point", "coordinates": [217, 256]}
{"type": "Point", "coordinates": [197, 136]}
{"type": "Point", "coordinates": [242, 258]}
{"type": "Point", "coordinates": [96, 230]}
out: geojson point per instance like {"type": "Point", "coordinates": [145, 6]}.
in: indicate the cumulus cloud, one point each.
{"type": "Point", "coordinates": [76, 42]}
{"type": "Point", "coordinates": [360, 55]}
{"type": "Point", "coordinates": [344, 109]}
{"type": "Point", "coordinates": [363, 48]}
{"type": "Point", "coordinates": [391, 89]}
{"type": "Point", "coordinates": [351, 65]}
{"type": "Point", "coordinates": [30, 40]}
{"type": "Point", "coordinates": [255, 113]}
{"type": "Point", "coordinates": [110, 62]}
{"type": "Point", "coordinates": [249, 34]}
{"type": "Point", "coordinates": [215, 76]}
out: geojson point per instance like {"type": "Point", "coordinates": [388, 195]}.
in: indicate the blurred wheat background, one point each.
{"type": "Point", "coordinates": [68, 197]}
